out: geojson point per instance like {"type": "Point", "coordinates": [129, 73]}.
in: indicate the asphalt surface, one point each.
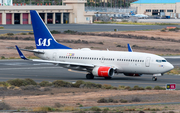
{"type": "Point", "coordinates": [11, 69]}
{"type": "Point", "coordinates": [82, 27]}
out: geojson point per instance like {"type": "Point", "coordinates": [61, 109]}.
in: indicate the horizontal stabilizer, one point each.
{"type": "Point", "coordinates": [20, 53]}
{"type": "Point", "coordinates": [32, 51]}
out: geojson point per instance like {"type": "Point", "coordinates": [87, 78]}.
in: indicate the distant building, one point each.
{"type": "Point", "coordinates": [157, 7]}
{"type": "Point", "coordinates": [6, 2]}
{"type": "Point", "coordinates": [72, 12]}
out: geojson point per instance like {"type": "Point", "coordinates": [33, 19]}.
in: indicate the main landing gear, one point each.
{"type": "Point", "coordinates": [107, 77]}
{"type": "Point", "coordinates": [89, 76]}
{"type": "Point", "coordinates": [154, 78]}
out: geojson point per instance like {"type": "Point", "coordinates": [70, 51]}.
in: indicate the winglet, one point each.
{"type": "Point", "coordinates": [129, 48]}
{"type": "Point", "coordinates": [20, 53]}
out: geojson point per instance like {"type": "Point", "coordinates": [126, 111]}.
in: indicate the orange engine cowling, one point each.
{"type": "Point", "coordinates": [103, 71]}
{"type": "Point", "coordinates": [132, 74]}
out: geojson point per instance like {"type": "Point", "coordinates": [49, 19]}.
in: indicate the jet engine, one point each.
{"type": "Point", "coordinates": [132, 74]}
{"type": "Point", "coordinates": [103, 71]}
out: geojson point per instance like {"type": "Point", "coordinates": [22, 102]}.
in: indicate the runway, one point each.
{"type": "Point", "coordinates": [82, 27]}
{"type": "Point", "coordinates": [11, 69]}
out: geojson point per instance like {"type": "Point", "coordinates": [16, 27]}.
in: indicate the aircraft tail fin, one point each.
{"type": "Point", "coordinates": [42, 35]}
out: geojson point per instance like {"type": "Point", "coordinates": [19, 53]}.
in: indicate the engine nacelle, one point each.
{"type": "Point", "coordinates": [132, 74]}
{"type": "Point", "coordinates": [103, 71]}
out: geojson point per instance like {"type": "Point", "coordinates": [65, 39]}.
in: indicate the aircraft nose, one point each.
{"type": "Point", "coordinates": [170, 67]}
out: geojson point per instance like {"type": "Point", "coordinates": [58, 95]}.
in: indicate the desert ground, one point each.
{"type": "Point", "coordinates": [160, 47]}
{"type": "Point", "coordinates": [18, 98]}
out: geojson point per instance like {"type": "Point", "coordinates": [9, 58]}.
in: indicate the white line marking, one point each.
{"type": "Point", "coordinates": [30, 68]}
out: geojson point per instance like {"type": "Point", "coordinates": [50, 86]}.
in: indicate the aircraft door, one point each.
{"type": "Point", "coordinates": [54, 56]}
{"type": "Point", "coordinates": [147, 62]}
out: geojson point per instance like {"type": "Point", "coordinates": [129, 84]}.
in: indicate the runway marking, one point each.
{"type": "Point", "coordinates": [29, 68]}
{"type": "Point", "coordinates": [76, 71]}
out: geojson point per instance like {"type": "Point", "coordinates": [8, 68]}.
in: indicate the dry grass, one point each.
{"type": "Point", "coordinates": [175, 71]}
{"type": "Point", "coordinates": [49, 98]}
{"type": "Point", "coordinates": [69, 108]}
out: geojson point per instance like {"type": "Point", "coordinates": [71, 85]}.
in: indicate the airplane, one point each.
{"type": "Point", "coordinates": [97, 63]}
{"type": "Point", "coordinates": [141, 16]}
{"type": "Point", "coordinates": [138, 15]}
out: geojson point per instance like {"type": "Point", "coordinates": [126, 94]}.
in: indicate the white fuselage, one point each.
{"type": "Point", "coordinates": [124, 62]}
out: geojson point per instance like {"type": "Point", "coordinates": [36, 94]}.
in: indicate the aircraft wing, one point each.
{"type": "Point", "coordinates": [64, 63]}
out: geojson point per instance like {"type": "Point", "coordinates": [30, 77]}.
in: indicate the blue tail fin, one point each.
{"type": "Point", "coordinates": [43, 37]}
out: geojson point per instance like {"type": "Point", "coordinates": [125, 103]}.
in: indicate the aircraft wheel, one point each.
{"type": "Point", "coordinates": [89, 76]}
{"type": "Point", "coordinates": [154, 78]}
{"type": "Point", "coordinates": [107, 77]}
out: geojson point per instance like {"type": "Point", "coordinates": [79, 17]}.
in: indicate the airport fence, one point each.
{"type": "Point", "coordinates": [115, 10]}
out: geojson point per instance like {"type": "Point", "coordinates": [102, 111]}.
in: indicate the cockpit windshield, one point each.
{"type": "Point", "coordinates": [161, 61]}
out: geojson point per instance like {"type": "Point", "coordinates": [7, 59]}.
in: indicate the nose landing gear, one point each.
{"type": "Point", "coordinates": [154, 78]}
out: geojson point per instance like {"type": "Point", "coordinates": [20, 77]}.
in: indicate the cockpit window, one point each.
{"type": "Point", "coordinates": [161, 61]}
{"type": "Point", "coordinates": [158, 60]}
